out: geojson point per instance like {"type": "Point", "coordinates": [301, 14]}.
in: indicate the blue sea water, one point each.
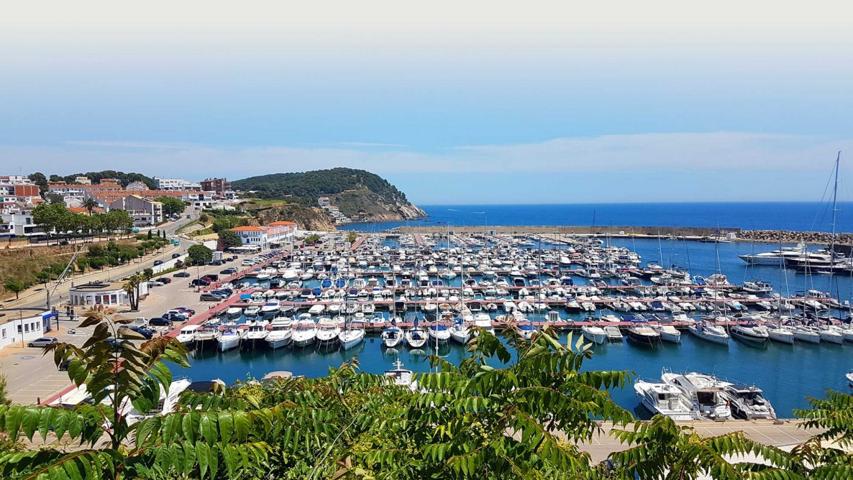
{"type": "Point", "coordinates": [788, 374]}
{"type": "Point", "coordinates": [755, 215]}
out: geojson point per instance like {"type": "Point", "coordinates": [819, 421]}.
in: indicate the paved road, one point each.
{"type": "Point", "coordinates": [36, 298]}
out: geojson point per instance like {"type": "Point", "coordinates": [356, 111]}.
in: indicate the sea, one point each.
{"type": "Point", "coordinates": [788, 374]}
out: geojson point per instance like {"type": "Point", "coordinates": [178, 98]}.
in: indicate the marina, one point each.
{"type": "Point", "coordinates": [397, 297]}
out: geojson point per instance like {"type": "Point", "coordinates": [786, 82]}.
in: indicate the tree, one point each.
{"type": "Point", "coordinates": [352, 237]}
{"type": "Point", "coordinates": [172, 205]}
{"type": "Point", "coordinates": [200, 255]}
{"type": "Point", "coordinates": [229, 239]}
{"type": "Point", "coordinates": [131, 287]}
{"type": "Point", "coordinates": [312, 239]}
{"type": "Point", "coordinates": [90, 204]}
{"type": "Point", "coordinates": [54, 198]}
{"type": "Point", "coordinates": [16, 286]}
{"type": "Point", "coordinates": [39, 179]}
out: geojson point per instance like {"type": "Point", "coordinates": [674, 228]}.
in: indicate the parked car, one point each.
{"type": "Point", "coordinates": [210, 297]}
{"type": "Point", "coordinates": [188, 310]}
{"type": "Point", "coordinates": [160, 322]}
{"type": "Point", "coordinates": [175, 316]}
{"type": "Point", "coordinates": [228, 271]}
{"type": "Point", "coordinates": [155, 283]}
{"type": "Point", "coordinates": [43, 342]}
{"type": "Point", "coordinates": [200, 282]}
{"type": "Point", "coordinates": [212, 277]}
{"type": "Point", "coordinates": [176, 255]}
{"type": "Point", "coordinates": [144, 331]}
{"type": "Point", "coordinates": [158, 262]}
{"type": "Point", "coordinates": [165, 280]}
{"type": "Point", "coordinates": [181, 275]}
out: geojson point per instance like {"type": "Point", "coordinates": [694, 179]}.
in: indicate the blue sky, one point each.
{"type": "Point", "coordinates": [486, 102]}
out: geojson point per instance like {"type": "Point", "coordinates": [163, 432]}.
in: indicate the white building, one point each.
{"type": "Point", "coordinates": [102, 293]}
{"type": "Point", "coordinates": [145, 213]}
{"type": "Point", "coordinates": [18, 331]}
{"type": "Point", "coordinates": [18, 225]}
{"type": "Point", "coordinates": [274, 233]}
{"type": "Point", "coordinates": [176, 184]}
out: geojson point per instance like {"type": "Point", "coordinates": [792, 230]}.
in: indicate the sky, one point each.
{"type": "Point", "coordinates": [470, 102]}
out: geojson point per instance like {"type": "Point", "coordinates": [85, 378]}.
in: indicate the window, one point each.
{"type": "Point", "coordinates": [3, 333]}
{"type": "Point", "coordinates": [19, 329]}
{"type": "Point", "coordinates": [27, 328]}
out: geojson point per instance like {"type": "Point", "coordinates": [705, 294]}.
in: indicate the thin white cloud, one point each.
{"type": "Point", "coordinates": [739, 153]}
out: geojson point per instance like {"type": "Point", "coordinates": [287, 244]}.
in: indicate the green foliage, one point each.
{"type": "Point", "coordinates": [39, 179]}
{"type": "Point", "coordinates": [311, 239]}
{"type": "Point", "coordinates": [352, 237]}
{"type": "Point", "coordinates": [123, 178]}
{"type": "Point", "coordinates": [200, 255]}
{"type": "Point", "coordinates": [229, 239]}
{"type": "Point", "coordinates": [55, 217]}
{"type": "Point", "coordinates": [306, 187]}
{"type": "Point", "coordinates": [172, 205]}
{"type": "Point", "coordinates": [15, 286]}
{"type": "Point", "coordinates": [226, 222]}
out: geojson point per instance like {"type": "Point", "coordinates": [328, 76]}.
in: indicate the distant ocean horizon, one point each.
{"type": "Point", "coordinates": [805, 216]}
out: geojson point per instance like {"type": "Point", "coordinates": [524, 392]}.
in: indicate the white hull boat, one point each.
{"type": "Point", "coordinates": [594, 334]}
{"type": "Point", "coordinates": [350, 338]}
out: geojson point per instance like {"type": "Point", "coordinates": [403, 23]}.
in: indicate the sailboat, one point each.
{"type": "Point", "coordinates": [350, 337]}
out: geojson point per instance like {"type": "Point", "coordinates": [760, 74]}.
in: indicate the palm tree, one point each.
{"type": "Point", "coordinates": [131, 287]}
{"type": "Point", "coordinates": [89, 204]}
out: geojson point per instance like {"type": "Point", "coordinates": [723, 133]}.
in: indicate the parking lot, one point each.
{"type": "Point", "coordinates": [32, 377]}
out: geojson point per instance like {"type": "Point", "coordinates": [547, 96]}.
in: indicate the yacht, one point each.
{"type": "Point", "coordinates": [416, 337]}
{"type": "Point", "coordinates": [526, 329]}
{"type": "Point", "coordinates": [350, 337]}
{"type": "Point", "coordinates": [280, 333]}
{"type": "Point", "coordinates": [748, 402]}
{"type": "Point", "coordinates": [252, 311]}
{"type": "Point", "coordinates": [594, 334]}
{"type": "Point", "coordinates": [328, 331]}
{"type": "Point", "coordinates": [304, 333]}
{"type": "Point", "coordinates": [780, 333]}
{"type": "Point", "coordinates": [806, 334]}
{"type": "Point", "coordinates": [402, 377]}
{"type": "Point", "coordinates": [270, 307]}
{"type": "Point", "coordinates": [459, 332]}
{"type": "Point", "coordinates": [439, 333]}
{"type": "Point", "coordinates": [668, 333]}
{"type": "Point", "coordinates": [392, 336]}
{"type": "Point", "coordinates": [643, 335]}
{"type": "Point", "coordinates": [613, 333]}
{"type": "Point", "coordinates": [831, 334]}
{"type": "Point", "coordinates": [234, 312]}
{"type": "Point", "coordinates": [257, 332]}
{"type": "Point", "coordinates": [775, 257]}
{"type": "Point", "coordinates": [484, 321]}
{"type": "Point", "coordinates": [704, 391]}
{"type": "Point", "coordinates": [187, 334]}
{"type": "Point", "coordinates": [204, 335]}
{"type": "Point", "coordinates": [665, 399]}
{"type": "Point", "coordinates": [710, 332]}
{"type": "Point", "coordinates": [750, 333]}
{"type": "Point", "coordinates": [228, 340]}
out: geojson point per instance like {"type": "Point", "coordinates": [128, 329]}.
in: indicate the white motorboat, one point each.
{"type": "Point", "coordinates": [228, 340]}
{"type": "Point", "coordinates": [704, 391]}
{"type": "Point", "coordinates": [643, 335]}
{"type": "Point", "coordinates": [850, 379]}
{"type": "Point", "coordinates": [613, 333]}
{"type": "Point", "coordinates": [256, 332]}
{"type": "Point", "coordinates": [252, 311]}
{"type": "Point", "coordinates": [187, 334]}
{"type": "Point", "coordinates": [280, 334]}
{"type": "Point", "coordinates": [781, 334]}
{"type": "Point", "coordinates": [748, 402]}
{"type": "Point", "coordinates": [328, 331]}
{"type": "Point", "coordinates": [304, 333]}
{"type": "Point", "coordinates": [416, 337]}
{"type": "Point", "coordinates": [234, 312]}
{"type": "Point", "coordinates": [402, 377]}
{"type": "Point", "coordinates": [806, 334]}
{"type": "Point", "coordinates": [484, 321]}
{"type": "Point", "coordinates": [460, 333]}
{"type": "Point", "coordinates": [665, 399]}
{"type": "Point", "coordinates": [668, 333]}
{"type": "Point", "coordinates": [270, 307]}
{"type": "Point", "coordinates": [594, 334]}
{"type": "Point", "coordinates": [392, 336]}
{"type": "Point", "coordinates": [349, 338]}
{"type": "Point", "coordinates": [709, 332]}
{"type": "Point", "coordinates": [316, 309]}
{"type": "Point", "coordinates": [751, 333]}
{"type": "Point", "coordinates": [204, 335]}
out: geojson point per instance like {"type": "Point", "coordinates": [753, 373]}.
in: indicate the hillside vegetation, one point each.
{"type": "Point", "coordinates": [358, 194]}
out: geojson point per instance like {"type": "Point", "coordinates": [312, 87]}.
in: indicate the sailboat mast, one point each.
{"type": "Point", "coordinates": [834, 211]}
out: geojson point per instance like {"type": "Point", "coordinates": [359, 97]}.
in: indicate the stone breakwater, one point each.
{"type": "Point", "coordinates": [687, 233]}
